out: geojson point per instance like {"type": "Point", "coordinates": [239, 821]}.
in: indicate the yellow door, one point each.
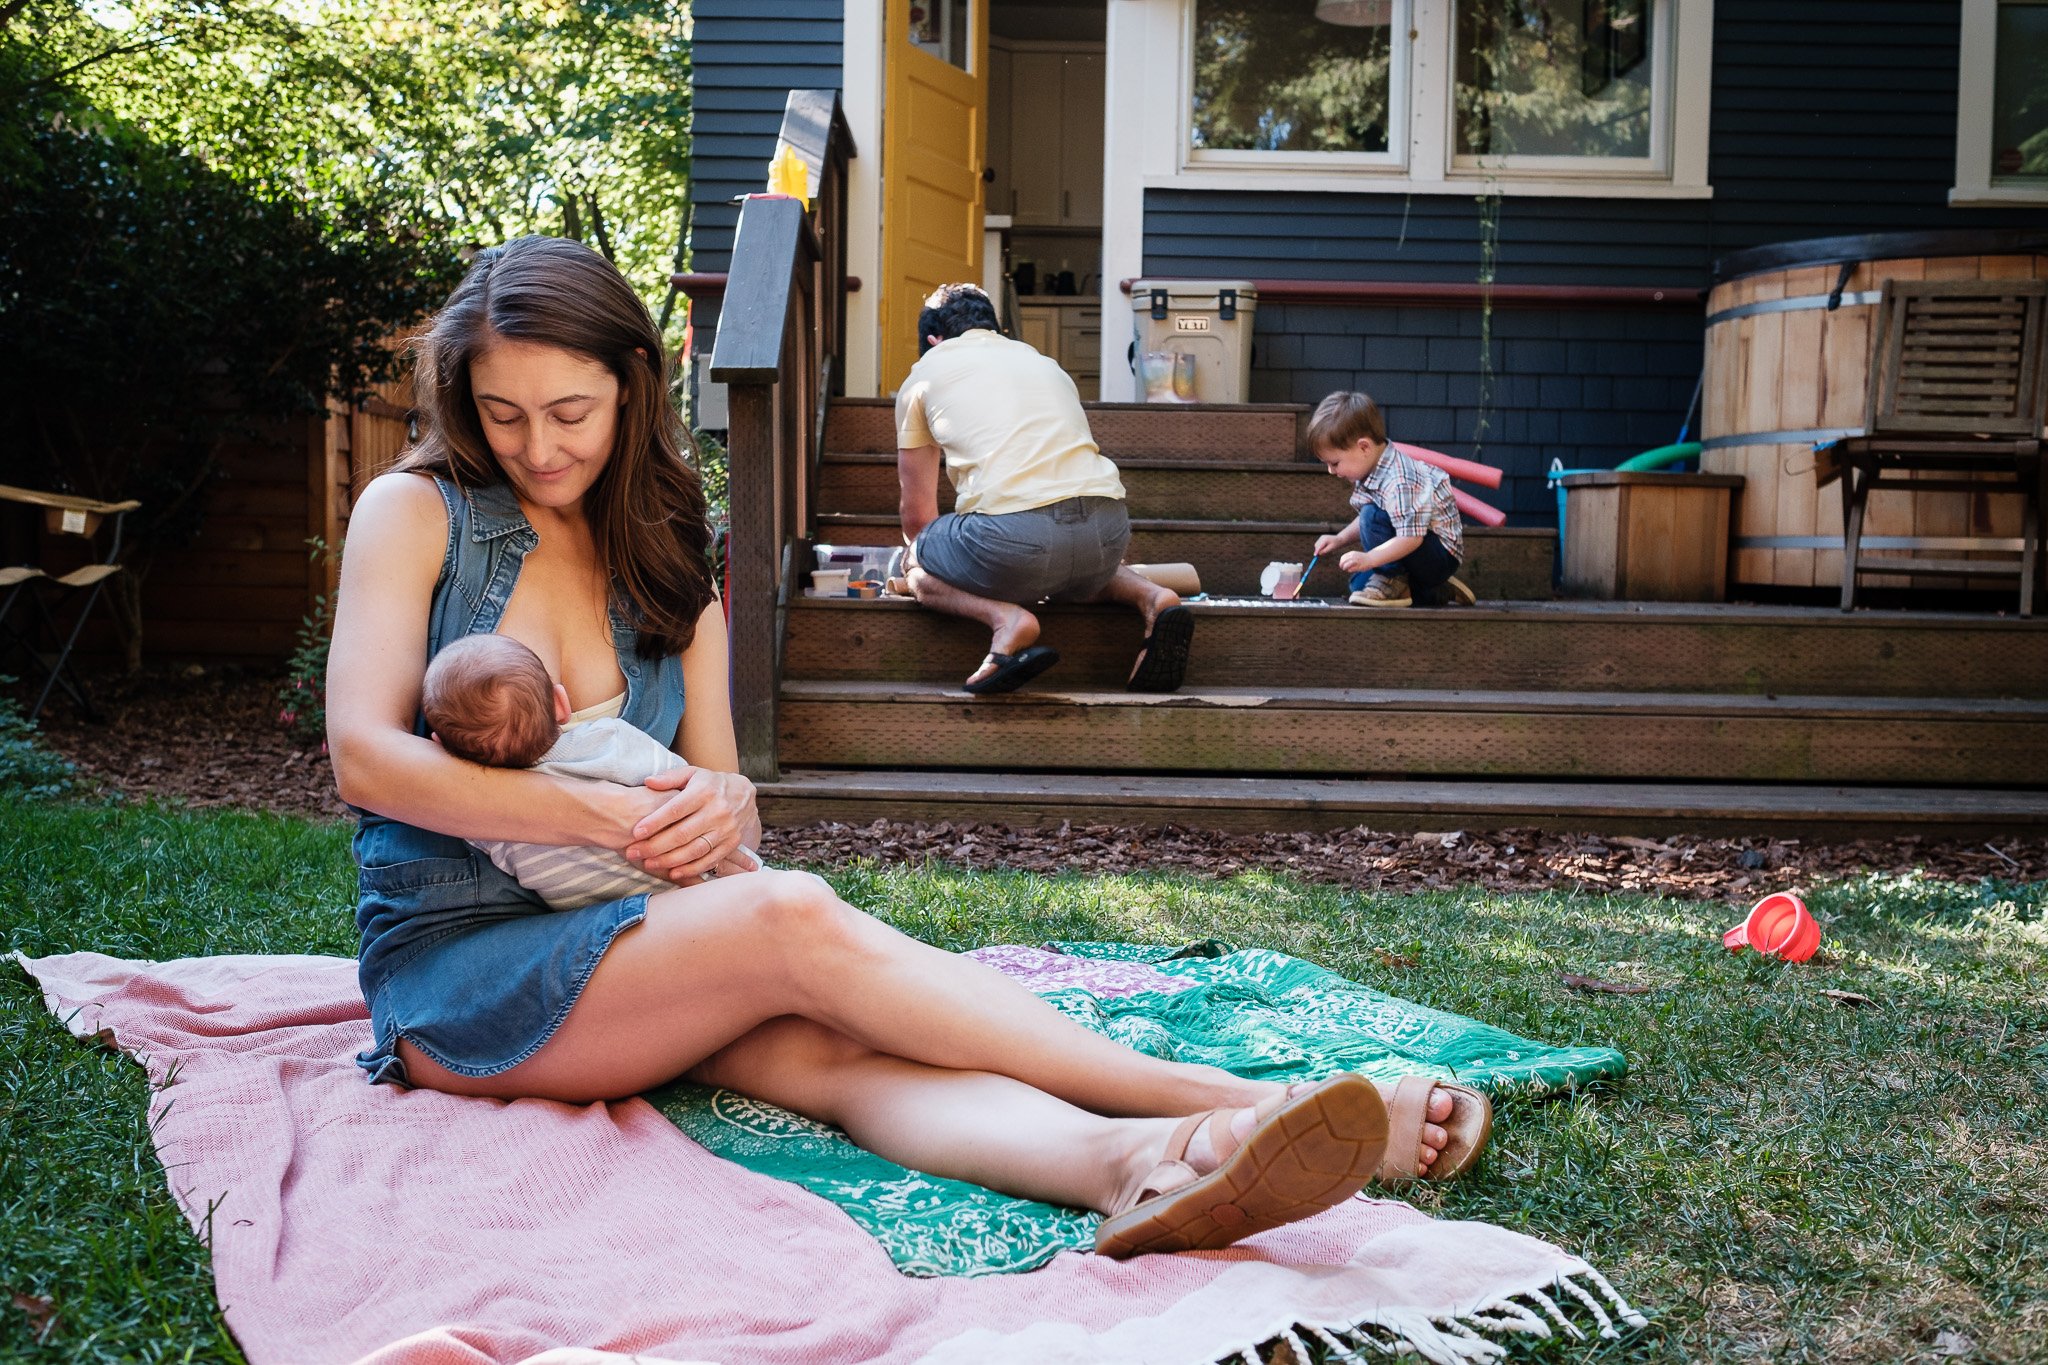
{"type": "Point", "coordinates": [934, 143]}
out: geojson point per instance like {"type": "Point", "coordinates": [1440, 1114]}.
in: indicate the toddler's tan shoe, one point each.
{"type": "Point", "coordinates": [1382, 591]}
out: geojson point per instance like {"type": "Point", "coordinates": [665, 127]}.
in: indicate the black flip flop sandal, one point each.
{"type": "Point", "coordinates": [1013, 670]}
{"type": "Point", "coordinates": [1164, 660]}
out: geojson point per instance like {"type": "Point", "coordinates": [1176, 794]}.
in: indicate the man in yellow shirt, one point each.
{"type": "Point", "coordinates": [1038, 513]}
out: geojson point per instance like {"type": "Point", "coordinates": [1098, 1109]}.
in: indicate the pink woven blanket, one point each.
{"type": "Point", "coordinates": [352, 1222]}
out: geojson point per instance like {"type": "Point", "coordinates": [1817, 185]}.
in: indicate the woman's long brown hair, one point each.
{"type": "Point", "coordinates": [646, 509]}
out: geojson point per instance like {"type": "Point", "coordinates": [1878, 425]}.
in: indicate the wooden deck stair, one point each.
{"type": "Point", "coordinates": [1582, 715]}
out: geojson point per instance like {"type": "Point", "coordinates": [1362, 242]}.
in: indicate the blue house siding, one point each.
{"type": "Point", "coordinates": [748, 55]}
{"type": "Point", "coordinates": [1821, 127]}
{"type": "Point", "coordinates": [1589, 387]}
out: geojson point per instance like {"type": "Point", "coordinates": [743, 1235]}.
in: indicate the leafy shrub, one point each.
{"type": "Point", "coordinates": [26, 767]}
{"type": "Point", "coordinates": [714, 467]}
{"type": "Point", "coordinates": [153, 308]}
{"type": "Point", "coordinates": [302, 698]}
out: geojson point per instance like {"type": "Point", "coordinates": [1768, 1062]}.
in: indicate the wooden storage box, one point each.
{"type": "Point", "coordinates": [1647, 537]}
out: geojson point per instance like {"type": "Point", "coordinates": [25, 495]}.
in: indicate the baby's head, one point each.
{"type": "Point", "coordinates": [489, 699]}
{"type": "Point", "coordinates": [1347, 433]}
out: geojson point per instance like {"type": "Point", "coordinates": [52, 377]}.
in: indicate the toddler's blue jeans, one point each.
{"type": "Point", "coordinates": [1426, 567]}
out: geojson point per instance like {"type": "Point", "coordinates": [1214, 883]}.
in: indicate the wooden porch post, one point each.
{"type": "Point", "coordinates": [753, 549]}
{"type": "Point", "coordinates": [748, 358]}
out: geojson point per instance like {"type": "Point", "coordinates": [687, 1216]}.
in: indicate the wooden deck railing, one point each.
{"type": "Point", "coordinates": [781, 336]}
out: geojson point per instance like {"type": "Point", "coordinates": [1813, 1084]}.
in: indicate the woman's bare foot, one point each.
{"type": "Point", "coordinates": [1143, 1155]}
{"type": "Point", "coordinates": [1434, 1137]}
{"type": "Point", "coordinates": [1201, 1152]}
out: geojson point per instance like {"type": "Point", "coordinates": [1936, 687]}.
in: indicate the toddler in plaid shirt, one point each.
{"type": "Point", "coordinates": [1410, 537]}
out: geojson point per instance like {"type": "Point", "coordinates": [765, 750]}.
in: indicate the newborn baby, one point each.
{"type": "Point", "coordinates": [489, 699]}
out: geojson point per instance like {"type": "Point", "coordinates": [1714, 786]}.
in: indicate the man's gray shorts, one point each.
{"type": "Point", "coordinates": [1063, 552]}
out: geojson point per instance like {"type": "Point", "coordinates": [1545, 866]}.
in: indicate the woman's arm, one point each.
{"type": "Point", "coordinates": [712, 812]}
{"type": "Point", "coordinates": [396, 541]}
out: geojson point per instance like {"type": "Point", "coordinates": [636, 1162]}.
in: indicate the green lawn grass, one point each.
{"type": "Point", "coordinates": [1781, 1177]}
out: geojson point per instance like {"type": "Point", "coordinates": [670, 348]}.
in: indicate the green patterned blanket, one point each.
{"type": "Point", "coordinates": [1253, 1012]}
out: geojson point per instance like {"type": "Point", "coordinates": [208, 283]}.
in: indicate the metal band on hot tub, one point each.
{"type": "Point", "coordinates": [1795, 305]}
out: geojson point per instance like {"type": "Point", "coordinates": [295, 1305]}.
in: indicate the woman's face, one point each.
{"type": "Point", "coordinates": [550, 416]}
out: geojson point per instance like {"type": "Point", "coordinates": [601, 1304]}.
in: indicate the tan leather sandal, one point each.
{"type": "Point", "coordinates": [1470, 1125]}
{"type": "Point", "coordinates": [1307, 1153]}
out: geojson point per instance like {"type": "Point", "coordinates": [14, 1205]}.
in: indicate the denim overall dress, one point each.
{"type": "Point", "coordinates": [456, 957]}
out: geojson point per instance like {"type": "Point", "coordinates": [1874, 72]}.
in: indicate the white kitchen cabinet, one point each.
{"type": "Point", "coordinates": [1045, 141]}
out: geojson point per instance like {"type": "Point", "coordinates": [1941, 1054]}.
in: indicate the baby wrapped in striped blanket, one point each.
{"type": "Point", "coordinates": [490, 699]}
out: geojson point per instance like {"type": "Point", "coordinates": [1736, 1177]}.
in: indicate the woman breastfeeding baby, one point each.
{"type": "Point", "coordinates": [548, 502]}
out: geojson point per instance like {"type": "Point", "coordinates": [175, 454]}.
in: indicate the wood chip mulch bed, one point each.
{"type": "Point", "coordinates": [212, 738]}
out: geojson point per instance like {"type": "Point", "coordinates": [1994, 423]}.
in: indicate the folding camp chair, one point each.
{"type": "Point", "coordinates": [1959, 386]}
{"type": "Point", "coordinates": [44, 641]}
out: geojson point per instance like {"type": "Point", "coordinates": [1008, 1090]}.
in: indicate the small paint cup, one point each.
{"type": "Point", "coordinates": [1780, 927]}
{"type": "Point", "coordinates": [830, 582]}
{"type": "Point", "coordinates": [1281, 580]}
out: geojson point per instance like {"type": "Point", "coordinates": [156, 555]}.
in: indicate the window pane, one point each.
{"type": "Point", "coordinates": [1272, 77]}
{"type": "Point", "coordinates": [942, 28]}
{"type": "Point", "coordinates": [2019, 110]}
{"type": "Point", "coordinates": [1553, 78]}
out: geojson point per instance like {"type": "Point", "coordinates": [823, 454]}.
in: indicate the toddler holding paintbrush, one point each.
{"type": "Point", "coordinates": [1409, 535]}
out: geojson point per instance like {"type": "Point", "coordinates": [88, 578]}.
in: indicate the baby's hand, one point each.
{"type": "Point", "coordinates": [1325, 544]}
{"type": "Point", "coordinates": [1353, 562]}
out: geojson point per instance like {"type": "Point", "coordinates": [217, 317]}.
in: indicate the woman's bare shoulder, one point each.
{"type": "Point", "coordinates": [399, 512]}
{"type": "Point", "coordinates": [402, 492]}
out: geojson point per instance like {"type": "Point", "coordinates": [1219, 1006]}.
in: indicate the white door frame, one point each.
{"type": "Point", "coordinates": [860, 96]}
{"type": "Point", "coordinates": [1129, 138]}
{"type": "Point", "coordinates": [1125, 137]}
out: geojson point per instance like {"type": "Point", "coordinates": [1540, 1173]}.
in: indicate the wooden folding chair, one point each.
{"type": "Point", "coordinates": [51, 595]}
{"type": "Point", "coordinates": [1959, 386]}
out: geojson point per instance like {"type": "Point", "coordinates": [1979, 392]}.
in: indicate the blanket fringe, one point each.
{"type": "Point", "coordinates": [1463, 1339]}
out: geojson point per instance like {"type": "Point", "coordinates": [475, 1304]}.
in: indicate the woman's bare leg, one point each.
{"type": "Point", "coordinates": [711, 965]}
{"type": "Point", "coordinates": [966, 1125]}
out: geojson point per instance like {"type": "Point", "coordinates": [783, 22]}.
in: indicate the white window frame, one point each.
{"type": "Point", "coordinates": [1654, 167]}
{"type": "Point", "coordinates": [1422, 162]}
{"type": "Point", "coordinates": [1976, 92]}
{"type": "Point", "coordinates": [1395, 158]}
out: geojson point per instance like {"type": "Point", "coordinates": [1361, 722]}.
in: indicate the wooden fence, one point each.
{"type": "Point", "coordinates": [239, 593]}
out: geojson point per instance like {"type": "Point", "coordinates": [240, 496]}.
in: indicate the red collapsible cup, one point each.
{"type": "Point", "coordinates": [1778, 927]}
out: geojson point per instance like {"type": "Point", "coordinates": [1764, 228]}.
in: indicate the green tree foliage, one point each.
{"type": "Point", "coordinates": [491, 118]}
{"type": "Point", "coordinates": [218, 212]}
{"type": "Point", "coordinates": [153, 306]}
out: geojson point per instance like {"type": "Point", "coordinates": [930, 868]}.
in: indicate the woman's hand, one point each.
{"type": "Point", "coordinates": [698, 829]}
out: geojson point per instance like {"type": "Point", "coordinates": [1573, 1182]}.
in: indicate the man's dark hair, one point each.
{"type": "Point", "coordinates": [953, 309]}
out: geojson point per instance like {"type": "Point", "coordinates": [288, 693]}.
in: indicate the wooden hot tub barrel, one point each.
{"type": "Point", "coordinates": [1788, 348]}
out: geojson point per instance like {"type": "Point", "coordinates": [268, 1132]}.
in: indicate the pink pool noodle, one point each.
{"type": "Point", "coordinates": [1472, 509]}
{"type": "Point", "coordinates": [1485, 475]}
